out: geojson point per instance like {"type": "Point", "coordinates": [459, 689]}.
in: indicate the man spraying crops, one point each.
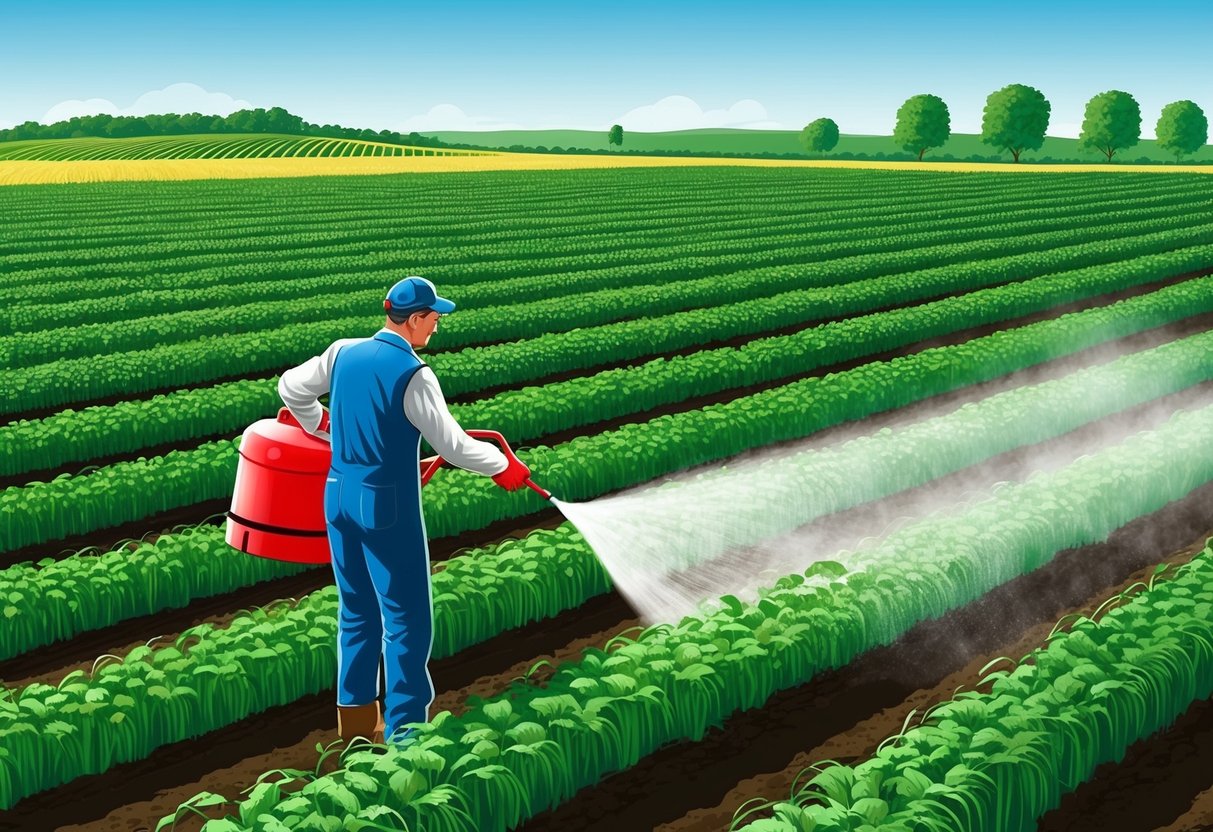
{"type": "Point", "coordinates": [383, 399]}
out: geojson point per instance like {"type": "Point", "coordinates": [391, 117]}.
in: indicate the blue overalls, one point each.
{"type": "Point", "coordinates": [372, 502]}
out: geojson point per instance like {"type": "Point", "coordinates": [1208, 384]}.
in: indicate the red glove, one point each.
{"type": "Point", "coordinates": [514, 476]}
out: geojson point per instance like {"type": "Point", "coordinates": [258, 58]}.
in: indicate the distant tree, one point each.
{"type": "Point", "coordinates": [121, 128]}
{"type": "Point", "coordinates": [1112, 122]}
{"type": "Point", "coordinates": [1015, 118]}
{"type": "Point", "coordinates": [922, 123]}
{"type": "Point", "coordinates": [616, 135]}
{"type": "Point", "coordinates": [278, 120]}
{"type": "Point", "coordinates": [820, 136]}
{"type": "Point", "coordinates": [1182, 128]}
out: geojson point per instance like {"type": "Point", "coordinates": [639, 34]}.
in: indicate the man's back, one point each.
{"type": "Point", "coordinates": [372, 437]}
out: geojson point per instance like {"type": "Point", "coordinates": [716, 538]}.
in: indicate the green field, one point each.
{"type": "Point", "coordinates": [913, 332]}
{"type": "Point", "coordinates": [223, 146]}
{"type": "Point", "coordinates": [722, 140]}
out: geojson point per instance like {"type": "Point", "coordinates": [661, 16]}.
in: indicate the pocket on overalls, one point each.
{"type": "Point", "coordinates": [332, 497]}
{"type": "Point", "coordinates": [377, 506]}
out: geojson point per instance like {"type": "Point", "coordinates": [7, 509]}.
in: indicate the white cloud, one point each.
{"type": "Point", "coordinates": [175, 98]}
{"type": "Point", "coordinates": [677, 112]}
{"type": "Point", "coordinates": [450, 117]}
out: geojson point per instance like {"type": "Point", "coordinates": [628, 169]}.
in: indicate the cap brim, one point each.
{"type": "Point", "coordinates": [443, 306]}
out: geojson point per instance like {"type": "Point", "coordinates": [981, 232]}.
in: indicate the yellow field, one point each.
{"type": "Point", "coordinates": [31, 173]}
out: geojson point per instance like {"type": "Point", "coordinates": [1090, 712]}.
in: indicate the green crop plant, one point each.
{"type": "Point", "coordinates": [513, 756]}
{"type": "Point", "coordinates": [510, 363]}
{"type": "Point", "coordinates": [459, 264]}
{"type": "Point", "coordinates": [61, 598]}
{"type": "Point", "coordinates": [473, 324]}
{"type": "Point", "coordinates": [997, 760]}
{"type": "Point", "coordinates": [834, 208]}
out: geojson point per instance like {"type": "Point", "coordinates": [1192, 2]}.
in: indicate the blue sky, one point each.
{"type": "Point", "coordinates": [650, 66]}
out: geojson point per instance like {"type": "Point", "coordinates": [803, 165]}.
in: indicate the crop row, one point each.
{"type": "Point", "coordinates": [147, 303]}
{"type": "Point", "coordinates": [504, 364]}
{"type": "Point", "coordinates": [469, 204]}
{"type": "Point", "coordinates": [55, 600]}
{"type": "Point", "coordinates": [515, 755]}
{"type": "Point", "coordinates": [522, 415]}
{"type": "Point", "coordinates": [127, 491]}
{"type": "Point", "coordinates": [231, 673]}
{"type": "Point", "coordinates": [206, 147]}
{"type": "Point", "coordinates": [477, 324]}
{"type": "Point", "coordinates": [516, 223]}
{"type": "Point", "coordinates": [459, 264]}
{"type": "Point", "coordinates": [998, 760]}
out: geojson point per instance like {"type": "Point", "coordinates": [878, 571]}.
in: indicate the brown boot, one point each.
{"type": "Point", "coordinates": [360, 721]}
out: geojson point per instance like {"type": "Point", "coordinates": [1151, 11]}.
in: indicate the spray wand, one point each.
{"type": "Point", "coordinates": [494, 436]}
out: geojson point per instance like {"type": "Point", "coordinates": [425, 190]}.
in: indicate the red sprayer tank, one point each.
{"type": "Point", "coordinates": [278, 503]}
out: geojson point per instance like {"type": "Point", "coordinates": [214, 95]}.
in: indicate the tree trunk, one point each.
{"type": "Point", "coordinates": [924, 150]}
{"type": "Point", "coordinates": [1015, 153]}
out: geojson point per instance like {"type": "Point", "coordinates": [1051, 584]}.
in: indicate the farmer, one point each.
{"type": "Point", "coordinates": [383, 399]}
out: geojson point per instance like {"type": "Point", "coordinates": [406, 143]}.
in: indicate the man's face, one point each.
{"type": "Point", "coordinates": [425, 324]}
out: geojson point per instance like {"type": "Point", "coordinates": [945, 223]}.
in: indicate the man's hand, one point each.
{"type": "Point", "coordinates": [427, 462]}
{"type": "Point", "coordinates": [514, 476]}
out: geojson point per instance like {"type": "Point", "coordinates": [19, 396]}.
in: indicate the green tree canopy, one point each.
{"type": "Point", "coordinates": [1182, 128]}
{"type": "Point", "coordinates": [922, 123]}
{"type": "Point", "coordinates": [1015, 118]}
{"type": "Point", "coordinates": [616, 135]}
{"type": "Point", "coordinates": [1112, 122]}
{"type": "Point", "coordinates": [820, 136]}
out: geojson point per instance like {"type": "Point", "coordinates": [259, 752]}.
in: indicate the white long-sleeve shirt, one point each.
{"type": "Point", "coordinates": [424, 405]}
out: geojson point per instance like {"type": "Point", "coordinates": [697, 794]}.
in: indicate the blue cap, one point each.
{"type": "Point", "coordinates": [415, 294]}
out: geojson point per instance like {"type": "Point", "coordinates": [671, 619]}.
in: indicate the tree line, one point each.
{"type": "Point", "coordinates": [1016, 117]}
{"type": "Point", "coordinates": [258, 120]}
